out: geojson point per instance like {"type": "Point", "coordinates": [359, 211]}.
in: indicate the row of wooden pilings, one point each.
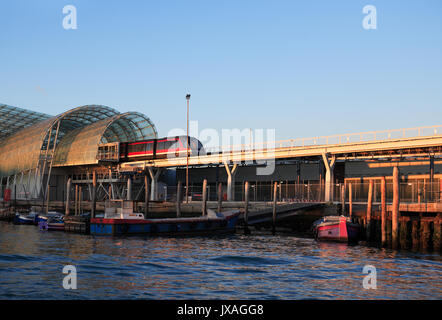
{"type": "Point", "coordinates": [392, 229]}
{"type": "Point", "coordinates": [220, 200]}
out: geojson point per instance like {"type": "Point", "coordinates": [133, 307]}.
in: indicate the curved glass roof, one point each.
{"type": "Point", "coordinates": [13, 119]}
{"type": "Point", "coordinates": [80, 130]}
{"type": "Point", "coordinates": [79, 147]}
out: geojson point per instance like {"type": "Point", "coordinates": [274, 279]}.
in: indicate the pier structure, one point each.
{"type": "Point", "coordinates": [72, 159]}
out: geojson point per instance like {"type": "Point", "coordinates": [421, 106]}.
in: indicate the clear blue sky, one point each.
{"type": "Point", "coordinates": [304, 68]}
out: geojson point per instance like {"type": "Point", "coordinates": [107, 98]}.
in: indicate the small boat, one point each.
{"type": "Point", "coordinates": [121, 220]}
{"type": "Point", "coordinates": [23, 219]}
{"type": "Point", "coordinates": [43, 217]}
{"type": "Point", "coordinates": [336, 228]}
{"type": "Point", "coordinates": [54, 223]}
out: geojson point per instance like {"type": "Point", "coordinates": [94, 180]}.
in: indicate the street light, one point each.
{"type": "Point", "coordinates": [187, 151]}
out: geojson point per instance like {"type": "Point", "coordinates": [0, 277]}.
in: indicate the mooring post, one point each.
{"type": "Point", "coordinates": [383, 212]}
{"type": "Point", "coordinates": [437, 234]}
{"type": "Point", "coordinates": [343, 199]}
{"type": "Point", "coordinates": [369, 209]}
{"type": "Point", "coordinates": [129, 188]}
{"type": "Point", "coordinates": [220, 197]}
{"type": "Point", "coordinates": [403, 230]}
{"type": "Point", "coordinates": [350, 200]}
{"type": "Point", "coordinates": [178, 200]}
{"type": "Point", "coordinates": [440, 189]}
{"type": "Point", "coordinates": [80, 199]}
{"type": "Point", "coordinates": [68, 191]}
{"type": "Point", "coordinates": [76, 199]}
{"type": "Point", "coordinates": [246, 208]}
{"type": "Point", "coordinates": [204, 204]}
{"type": "Point", "coordinates": [425, 234]}
{"type": "Point", "coordinates": [146, 195]}
{"type": "Point", "coordinates": [48, 190]}
{"type": "Point", "coordinates": [94, 189]}
{"type": "Point", "coordinates": [395, 208]}
{"type": "Point", "coordinates": [275, 190]}
{"type": "Point", "coordinates": [415, 230]}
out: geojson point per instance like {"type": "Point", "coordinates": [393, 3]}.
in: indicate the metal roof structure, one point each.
{"type": "Point", "coordinates": [13, 119]}
{"type": "Point", "coordinates": [75, 134]}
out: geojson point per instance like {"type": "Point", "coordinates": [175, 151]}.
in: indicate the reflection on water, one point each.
{"type": "Point", "coordinates": [224, 267]}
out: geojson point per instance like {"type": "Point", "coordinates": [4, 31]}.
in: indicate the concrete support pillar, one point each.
{"type": "Point", "coordinates": [154, 174]}
{"type": "Point", "coordinates": [231, 172]}
{"type": "Point", "coordinates": [329, 177]}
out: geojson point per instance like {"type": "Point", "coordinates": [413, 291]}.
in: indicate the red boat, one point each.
{"type": "Point", "coordinates": [336, 228]}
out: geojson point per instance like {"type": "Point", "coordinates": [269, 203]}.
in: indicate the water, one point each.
{"type": "Point", "coordinates": [223, 267]}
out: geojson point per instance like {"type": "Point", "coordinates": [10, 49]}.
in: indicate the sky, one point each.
{"type": "Point", "coordinates": [303, 68]}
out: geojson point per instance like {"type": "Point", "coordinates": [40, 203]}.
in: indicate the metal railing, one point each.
{"type": "Point", "coordinates": [368, 136]}
{"type": "Point", "coordinates": [417, 191]}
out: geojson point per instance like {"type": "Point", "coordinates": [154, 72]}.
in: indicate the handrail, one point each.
{"type": "Point", "coordinates": [368, 136]}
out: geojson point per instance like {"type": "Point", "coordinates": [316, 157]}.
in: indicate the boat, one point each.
{"type": "Point", "coordinates": [119, 219]}
{"type": "Point", "coordinates": [42, 217]}
{"type": "Point", "coordinates": [23, 219]}
{"type": "Point", "coordinates": [336, 228]}
{"type": "Point", "coordinates": [53, 222]}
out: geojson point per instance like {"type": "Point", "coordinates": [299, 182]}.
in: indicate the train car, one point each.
{"type": "Point", "coordinates": [171, 147]}
{"type": "Point", "coordinates": [167, 147]}
{"type": "Point", "coordinates": [140, 150]}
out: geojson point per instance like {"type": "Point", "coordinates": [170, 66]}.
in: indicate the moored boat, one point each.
{"type": "Point", "coordinates": [123, 221]}
{"type": "Point", "coordinates": [336, 228]}
{"type": "Point", "coordinates": [23, 219]}
{"type": "Point", "coordinates": [52, 222]}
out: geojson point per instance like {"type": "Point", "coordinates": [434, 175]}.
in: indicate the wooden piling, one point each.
{"type": "Point", "coordinates": [369, 209]}
{"type": "Point", "coordinates": [204, 204]}
{"type": "Point", "coordinates": [246, 208]}
{"type": "Point", "coordinates": [437, 234]}
{"type": "Point", "coordinates": [440, 189]}
{"type": "Point", "coordinates": [403, 233]}
{"type": "Point", "coordinates": [343, 199]}
{"type": "Point", "coordinates": [94, 188]}
{"type": "Point", "coordinates": [275, 189]}
{"type": "Point", "coordinates": [68, 192]}
{"type": "Point", "coordinates": [383, 212]}
{"type": "Point", "coordinates": [350, 200]}
{"type": "Point", "coordinates": [425, 234]}
{"type": "Point", "coordinates": [395, 209]}
{"type": "Point", "coordinates": [76, 199]}
{"type": "Point", "coordinates": [146, 194]}
{"type": "Point", "coordinates": [178, 200]}
{"type": "Point", "coordinates": [220, 197]}
{"type": "Point", "coordinates": [415, 230]}
{"type": "Point", "coordinates": [80, 200]}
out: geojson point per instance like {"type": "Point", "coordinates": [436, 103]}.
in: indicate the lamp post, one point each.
{"type": "Point", "coordinates": [187, 151]}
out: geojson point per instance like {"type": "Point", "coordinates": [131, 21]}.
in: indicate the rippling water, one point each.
{"type": "Point", "coordinates": [223, 267]}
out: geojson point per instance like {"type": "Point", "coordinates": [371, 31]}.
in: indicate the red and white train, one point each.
{"type": "Point", "coordinates": [168, 147]}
